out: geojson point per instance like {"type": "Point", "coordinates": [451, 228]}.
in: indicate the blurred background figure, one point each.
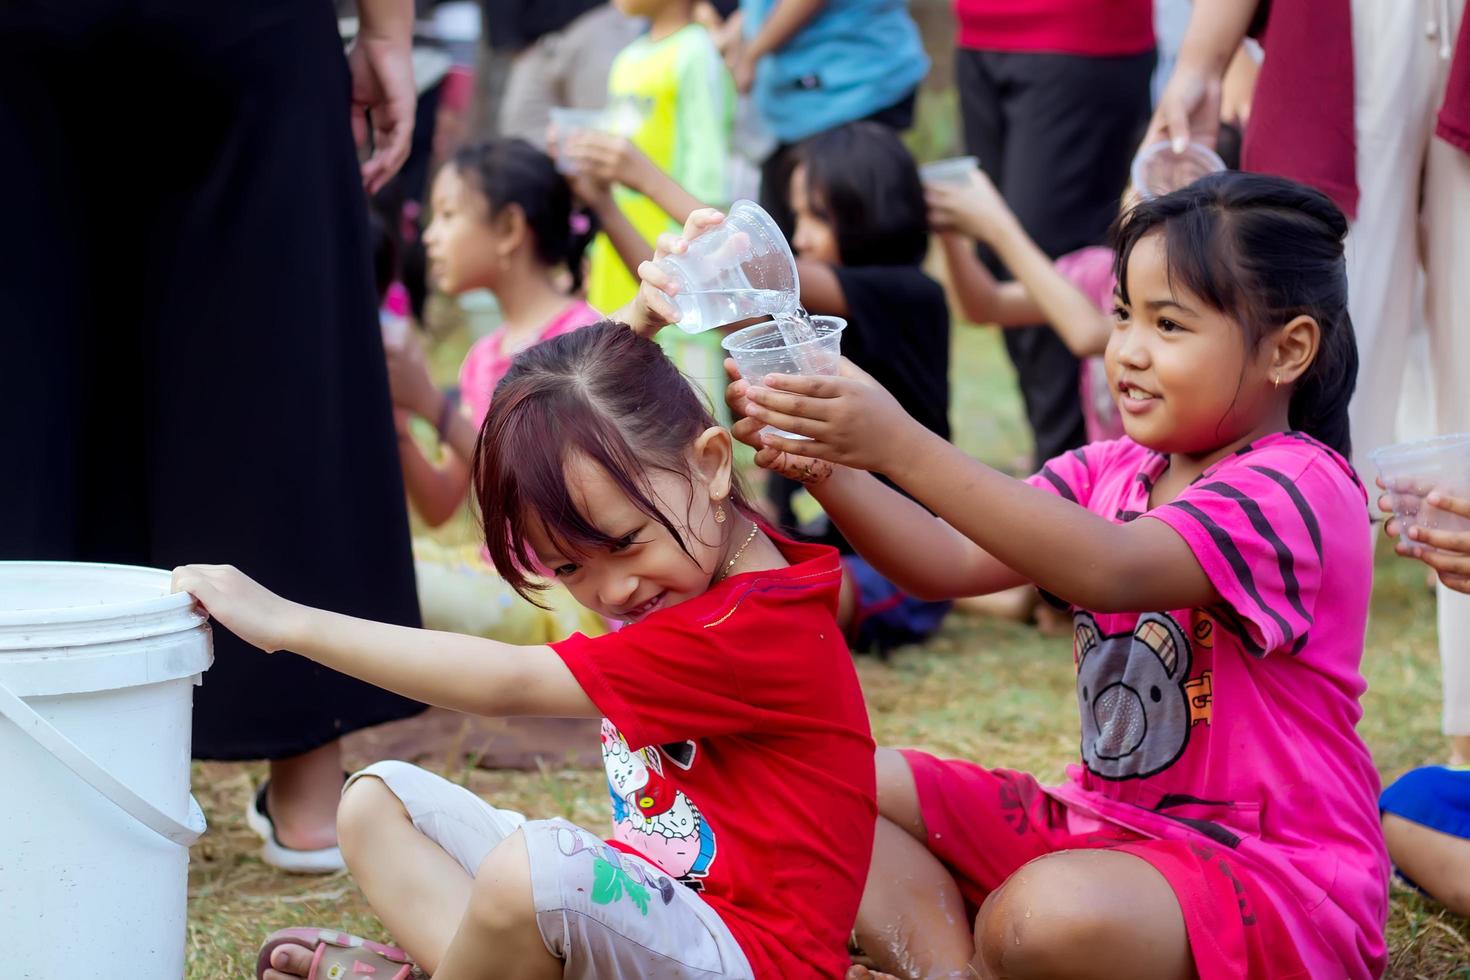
{"type": "Point", "coordinates": [193, 366]}
{"type": "Point", "coordinates": [555, 53]}
{"type": "Point", "coordinates": [1368, 101]}
{"type": "Point", "coordinates": [1054, 96]}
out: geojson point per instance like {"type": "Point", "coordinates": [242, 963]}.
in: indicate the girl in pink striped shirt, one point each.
{"type": "Point", "coordinates": [1222, 818]}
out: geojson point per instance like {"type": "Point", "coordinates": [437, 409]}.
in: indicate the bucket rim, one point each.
{"type": "Point", "coordinates": [167, 602]}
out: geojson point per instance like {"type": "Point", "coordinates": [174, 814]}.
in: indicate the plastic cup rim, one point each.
{"type": "Point", "coordinates": [835, 325]}
{"type": "Point", "coordinates": [1405, 451]}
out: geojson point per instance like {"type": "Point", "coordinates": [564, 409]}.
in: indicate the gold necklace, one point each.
{"type": "Point", "coordinates": [754, 530]}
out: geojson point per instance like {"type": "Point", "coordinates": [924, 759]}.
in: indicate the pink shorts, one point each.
{"type": "Point", "coordinates": [984, 824]}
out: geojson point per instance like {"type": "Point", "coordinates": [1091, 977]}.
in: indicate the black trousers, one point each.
{"type": "Point", "coordinates": [1056, 133]}
{"type": "Point", "coordinates": [192, 369]}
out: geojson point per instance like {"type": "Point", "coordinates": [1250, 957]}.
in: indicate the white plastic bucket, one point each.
{"type": "Point", "coordinates": [97, 669]}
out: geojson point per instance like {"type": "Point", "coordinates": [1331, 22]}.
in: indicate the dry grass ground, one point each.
{"type": "Point", "coordinates": [994, 692]}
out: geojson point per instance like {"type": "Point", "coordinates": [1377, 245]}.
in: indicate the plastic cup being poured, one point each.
{"type": "Point", "coordinates": [739, 269]}
{"type": "Point", "coordinates": [1411, 471]}
{"type": "Point", "coordinates": [1158, 170]}
{"type": "Point", "coordinates": [766, 348]}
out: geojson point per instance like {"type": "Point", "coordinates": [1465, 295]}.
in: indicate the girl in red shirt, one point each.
{"type": "Point", "coordinates": [738, 754]}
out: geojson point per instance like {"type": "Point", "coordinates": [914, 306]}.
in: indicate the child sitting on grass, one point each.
{"type": "Point", "coordinates": [501, 221]}
{"type": "Point", "coordinates": [1223, 819]}
{"type": "Point", "coordinates": [736, 742]}
{"type": "Point", "coordinates": [1426, 811]}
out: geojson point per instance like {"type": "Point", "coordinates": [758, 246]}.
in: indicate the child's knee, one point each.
{"type": "Point", "coordinates": [1037, 922]}
{"type": "Point", "coordinates": [501, 899]}
{"type": "Point", "coordinates": [898, 797]}
{"type": "Point", "coordinates": [366, 803]}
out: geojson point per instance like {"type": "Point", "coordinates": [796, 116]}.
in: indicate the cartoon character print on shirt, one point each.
{"type": "Point", "coordinates": [1136, 712]}
{"type": "Point", "coordinates": [650, 813]}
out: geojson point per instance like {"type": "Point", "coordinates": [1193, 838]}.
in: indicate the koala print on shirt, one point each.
{"type": "Point", "coordinates": [1131, 691]}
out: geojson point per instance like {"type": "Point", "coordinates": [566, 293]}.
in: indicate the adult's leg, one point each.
{"type": "Point", "coordinates": [302, 797]}
{"type": "Point", "coordinates": [1393, 80]}
{"type": "Point", "coordinates": [1445, 234]}
{"type": "Point", "coordinates": [1084, 914]}
{"type": "Point", "coordinates": [1070, 125]}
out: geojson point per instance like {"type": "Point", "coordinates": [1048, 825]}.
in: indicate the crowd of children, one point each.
{"type": "Point", "coordinates": [1207, 545]}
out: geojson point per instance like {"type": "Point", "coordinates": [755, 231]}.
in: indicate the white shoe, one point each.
{"type": "Point", "coordinates": [322, 861]}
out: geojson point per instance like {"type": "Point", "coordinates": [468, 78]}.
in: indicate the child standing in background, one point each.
{"type": "Point", "coordinates": [675, 81]}
{"type": "Point", "coordinates": [501, 221]}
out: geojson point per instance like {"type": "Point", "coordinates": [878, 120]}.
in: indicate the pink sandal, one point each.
{"type": "Point", "coordinates": [339, 956]}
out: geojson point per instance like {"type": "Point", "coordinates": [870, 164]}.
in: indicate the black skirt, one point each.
{"type": "Point", "coordinates": [190, 364]}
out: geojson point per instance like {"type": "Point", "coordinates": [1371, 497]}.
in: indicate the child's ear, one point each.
{"type": "Point", "coordinates": [714, 462]}
{"type": "Point", "coordinates": [1295, 349]}
{"type": "Point", "coordinates": [510, 229]}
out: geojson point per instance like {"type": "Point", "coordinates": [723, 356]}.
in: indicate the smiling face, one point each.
{"type": "Point", "coordinates": [462, 243]}
{"type": "Point", "coordinates": [1180, 371]}
{"type": "Point", "coordinates": [645, 569]}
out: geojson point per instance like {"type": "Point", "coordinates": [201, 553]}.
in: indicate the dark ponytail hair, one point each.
{"type": "Point", "coordinates": [601, 392]}
{"type": "Point", "coordinates": [1262, 250]}
{"type": "Point", "coordinates": [512, 171]}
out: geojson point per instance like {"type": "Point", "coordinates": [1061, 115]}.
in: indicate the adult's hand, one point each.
{"type": "Point", "coordinates": [381, 62]}
{"type": "Point", "coordinates": [1189, 110]}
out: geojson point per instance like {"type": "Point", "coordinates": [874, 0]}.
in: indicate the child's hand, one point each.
{"type": "Point", "coordinates": [607, 159]}
{"type": "Point", "coordinates": [1447, 552]}
{"type": "Point", "coordinates": [802, 469]}
{"type": "Point", "coordinates": [239, 604]}
{"type": "Point", "coordinates": [978, 210]}
{"type": "Point", "coordinates": [652, 309]}
{"type": "Point", "coordinates": [408, 378]}
{"type": "Point", "coordinates": [850, 418]}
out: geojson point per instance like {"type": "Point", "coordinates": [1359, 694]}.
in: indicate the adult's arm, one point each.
{"type": "Point", "coordinates": [1189, 108]}
{"type": "Point", "coordinates": [381, 61]}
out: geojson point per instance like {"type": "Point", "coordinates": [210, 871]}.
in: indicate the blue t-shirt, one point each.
{"type": "Point", "coordinates": [854, 58]}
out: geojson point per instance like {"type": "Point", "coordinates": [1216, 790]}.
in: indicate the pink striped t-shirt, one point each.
{"type": "Point", "coordinates": [1236, 723]}
{"type": "Point", "coordinates": [486, 362]}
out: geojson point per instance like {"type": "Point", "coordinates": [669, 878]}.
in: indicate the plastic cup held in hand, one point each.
{"type": "Point", "coordinates": [565, 123]}
{"type": "Point", "coordinates": [1158, 170]}
{"type": "Point", "coordinates": [739, 269]}
{"type": "Point", "coordinates": [1411, 471]}
{"type": "Point", "coordinates": [954, 172]}
{"type": "Point", "coordinates": [778, 347]}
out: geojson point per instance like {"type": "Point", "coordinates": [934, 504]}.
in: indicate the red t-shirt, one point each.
{"type": "Point", "coordinates": [739, 758]}
{"type": "Point", "coordinates": [1086, 27]}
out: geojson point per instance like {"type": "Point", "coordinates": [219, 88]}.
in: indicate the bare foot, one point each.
{"type": "Point", "coordinates": [289, 961]}
{"type": "Point", "coordinates": [859, 972]}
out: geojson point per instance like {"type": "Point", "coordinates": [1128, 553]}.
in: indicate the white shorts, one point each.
{"type": "Point", "coordinates": [604, 912]}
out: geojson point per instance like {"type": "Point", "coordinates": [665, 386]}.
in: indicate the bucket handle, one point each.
{"type": "Point", "coordinates": [50, 738]}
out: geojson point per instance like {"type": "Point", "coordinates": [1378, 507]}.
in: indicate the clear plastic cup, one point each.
{"type": "Point", "coordinates": [565, 122]}
{"type": "Point", "coordinates": [1158, 170]}
{"type": "Point", "coordinates": [741, 268]}
{"type": "Point", "coordinates": [954, 172]}
{"type": "Point", "coordinates": [1411, 470]}
{"type": "Point", "coordinates": [766, 348]}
